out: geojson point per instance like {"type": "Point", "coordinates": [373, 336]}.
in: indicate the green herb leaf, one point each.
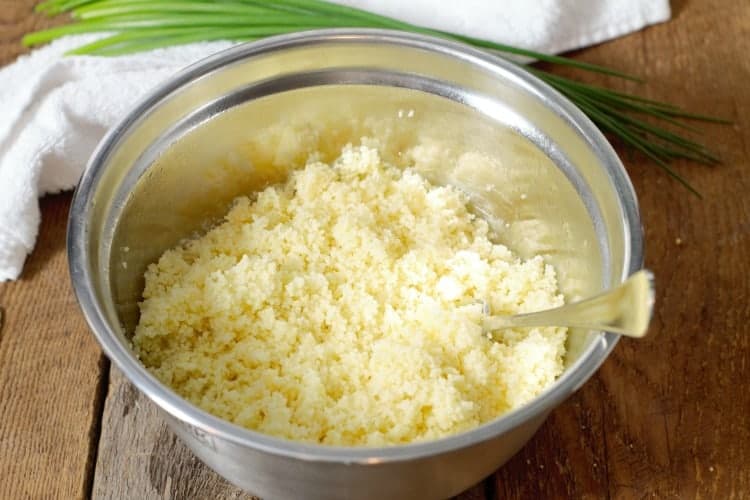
{"type": "Point", "coordinates": [138, 25]}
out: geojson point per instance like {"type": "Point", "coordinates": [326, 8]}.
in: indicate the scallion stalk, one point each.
{"type": "Point", "coordinates": [139, 25]}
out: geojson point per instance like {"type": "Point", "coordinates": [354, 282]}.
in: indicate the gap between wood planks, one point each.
{"type": "Point", "coordinates": [95, 433]}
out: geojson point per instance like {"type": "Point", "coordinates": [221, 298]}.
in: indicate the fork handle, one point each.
{"type": "Point", "coordinates": [625, 310]}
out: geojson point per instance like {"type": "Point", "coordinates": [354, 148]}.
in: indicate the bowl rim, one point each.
{"type": "Point", "coordinates": [572, 379]}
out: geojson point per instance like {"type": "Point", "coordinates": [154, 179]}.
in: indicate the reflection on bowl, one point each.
{"type": "Point", "coordinates": [238, 121]}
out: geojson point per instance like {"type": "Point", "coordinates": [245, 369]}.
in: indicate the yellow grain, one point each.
{"type": "Point", "coordinates": [343, 307]}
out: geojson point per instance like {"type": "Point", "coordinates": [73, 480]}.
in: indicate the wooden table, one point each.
{"type": "Point", "coordinates": [666, 417]}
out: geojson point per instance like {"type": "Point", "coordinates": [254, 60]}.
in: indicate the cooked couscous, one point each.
{"type": "Point", "coordinates": [344, 307]}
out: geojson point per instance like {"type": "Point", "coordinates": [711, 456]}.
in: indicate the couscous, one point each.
{"type": "Point", "coordinates": [344, 307]}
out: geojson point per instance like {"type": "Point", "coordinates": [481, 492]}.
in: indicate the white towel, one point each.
{"type": "Point", "coordinates": [55, 109]}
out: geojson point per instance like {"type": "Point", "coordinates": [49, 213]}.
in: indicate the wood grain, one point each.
{"type": "Point", "coordinates": [51, 390]}
{"type": "Point", "coordinates": [17, 18]}
{"type": "Point", "coordinates": [49, 376]}
{"type": "Point", "coordinates": [135, 440]}
{"type": "Point", "coordinates": [666, 417]}
{"type": "Point", "coordinates": [139, 457]}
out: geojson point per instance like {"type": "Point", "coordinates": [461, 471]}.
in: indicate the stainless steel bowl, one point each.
{"type": "Point", "coordinates": [232, 123]}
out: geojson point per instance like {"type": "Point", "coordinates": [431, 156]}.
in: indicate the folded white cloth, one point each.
{"type": "Point", "coordinates": [55, 109]}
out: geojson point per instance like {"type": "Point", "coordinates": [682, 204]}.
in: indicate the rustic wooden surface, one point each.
{"type": "Point", "coordinates": [158, 465]}
{"type": "Point", "coordinates": [50, 376]}
{"type": "Point", "coordinates": [666, 417]}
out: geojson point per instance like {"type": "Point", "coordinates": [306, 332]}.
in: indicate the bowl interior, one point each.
{"type": "Point", "coordinates": [532, 206]}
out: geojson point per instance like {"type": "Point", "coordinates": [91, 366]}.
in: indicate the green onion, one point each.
{"type": "Point", "coordinates": [138, 25]}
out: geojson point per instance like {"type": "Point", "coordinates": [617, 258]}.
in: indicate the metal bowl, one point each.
{"type": "Point", "coordinates": [531, 163]}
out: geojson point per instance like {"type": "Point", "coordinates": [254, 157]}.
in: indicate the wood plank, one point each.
{"type": "Point", "coordinates": [50, 364]}
{"type": "Point", "coordinates": [139, 457]}
{"type": "Point", "coordinates": [17, 18]}
{"type": "Point", "coordinates": [667, 417]}
{"type": "Point", "coordinates": [50, 370]}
